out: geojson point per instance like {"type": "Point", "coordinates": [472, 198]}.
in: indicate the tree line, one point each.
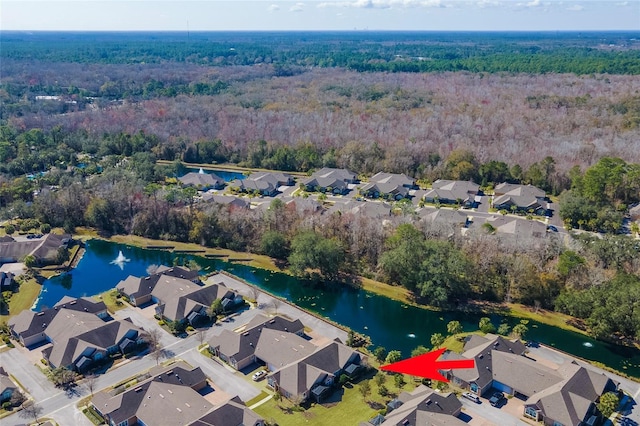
{"type": "Point", "coordinates": [438, 265]}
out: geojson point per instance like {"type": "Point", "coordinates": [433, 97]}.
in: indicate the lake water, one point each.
{"type": "Point", "coordinates": [389, 323]}
{"type": "Point", "coordinates": [223, 174]}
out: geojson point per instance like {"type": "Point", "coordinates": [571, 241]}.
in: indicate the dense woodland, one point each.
{"type": "Point", "coordinates": [86, 155]}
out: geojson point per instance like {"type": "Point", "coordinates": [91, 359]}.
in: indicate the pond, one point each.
{"type": "Point", "coordinates": [223, 174]}
{"type": "Point", "coordinates": [389, 323]}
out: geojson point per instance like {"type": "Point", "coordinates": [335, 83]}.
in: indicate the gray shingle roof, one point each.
{"type": "Point", "coordinates": [279, 348]}
{"type": "Point", "coordinates": [165, 398]}
{"type": "Point", "coordinates": [28, 323]}
{"type": "Point", "coordinates": [73, 332]}
{"type": "Point", "coordinates": [201, 179]}
{"type": "Point", "coordinates": [393, 178]}
{"type": "Point", "coordinates": [243, 345]}
{"type": "Point", "coordinates": [452, 190]}
{"type": "Point", "coordinates": [420, 406]}
{"type": "Point", "coordinates": [568, 401]}
{"type": "Point", "coordinates": [231, 413]}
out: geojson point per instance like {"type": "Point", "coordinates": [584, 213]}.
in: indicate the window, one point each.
{"type": "Point", "coordinates": [125, 423]}
{"type": "Point", "coordinates": [474, 387]}
{"type": "Point", "coordinates": [557, 424]}
{"type": "Point", "coordinates": [531, 412]}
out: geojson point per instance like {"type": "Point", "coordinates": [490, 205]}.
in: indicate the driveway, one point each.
{"type": "Point", "coordinates": [485, 415]}
{"type": "Point", "coordinates": [143, 319]}
{"type": "Point", "coordinates": [265, 301]}
{"type": "Point", "coordinates": [19, 363]}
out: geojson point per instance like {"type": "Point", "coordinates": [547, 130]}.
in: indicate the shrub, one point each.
{"type": "Point", "coordinates": [6, 406]}
{"type": "Point", "coordinates": [383, 391]}
{"type": "Point", "coordinates": [45, 228]}
{"type": "Point", "coordinates": [161, 323]}
{"type": "Point", "coordinates": [9, 229]}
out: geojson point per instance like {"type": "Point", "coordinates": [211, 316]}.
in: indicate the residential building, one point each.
{"type": "Point", "coordinates": [179, 294]}
{"type": "Point", "coordinates": [330, 180]}
{"type": "Point", "coordinates": [525, 198]}
{"type": "Point", "coordinates": [279, 348]}
{"type": "Point", "coordinates": [7, 387]}
{"type": "Point", "coordinates": [512, 229]}
{"type": "Point", "coordinates": [202, 181]}
{"type": "Point", "coordinates": [265, 183]}
{"type": "Point", "coordinates": [171, 395]}
{"type": "Point", "coordinates": [79, 331]}
{"type": "Point", "coordinates": [44, 249]}
{"type": "Point", "coordinates": [566, 395]}
{"type": "Point", "coordinates": [226, 200]}
{"type": "Point", "coordinates": [571, 401]}
{"type": "Point", "coordinates": [462, 193]}
{"type": "Point", "coordinates": [231, 413]}
{"type": "Point", "coordinates": [479, 379]}
{"type": "Point", "coordinates": [389, 186]}
{"type": "Point", "coordinates": [238, 349]}
{"type": "Point", "coordinates": [6, 280]}
{"type": "Point", "coordinates": [422, 406]}
{"type": "Point", "coordinates": [314, 375]}
{"type": "Point", "coordinates": [138, 289]}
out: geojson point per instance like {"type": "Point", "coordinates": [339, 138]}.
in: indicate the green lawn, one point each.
{"type": "Point", "coordinates": [351, 410]}
{"type": "Point", "coordinates": [109, 298]}
{"type": "Point", "coordinates": [345, 407]}
{"type": "Point", "coordinates": [23, 299]}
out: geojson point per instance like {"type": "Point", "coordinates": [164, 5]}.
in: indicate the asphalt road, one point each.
{"type": "Point", "coordinates": [61, 405]}
{"type": "Point", "coordinates": [492, 414]}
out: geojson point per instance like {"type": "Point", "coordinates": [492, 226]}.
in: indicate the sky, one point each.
{"type": "Point", "coordinates": [318, 15]}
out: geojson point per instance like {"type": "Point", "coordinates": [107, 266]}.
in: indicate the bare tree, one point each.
{"type": "Point", "coordinates": [91, 381]}
{"type": "Point", "coordinates": [201, 336]}
{"type": "Point", "coordinates": [31, 410]}
{"type": "Point", "coordinates": [276, 303]}
{"type": "Point", "coordinates": [155, 347]}
{"type": "Point", "coordinates": [253, 293]}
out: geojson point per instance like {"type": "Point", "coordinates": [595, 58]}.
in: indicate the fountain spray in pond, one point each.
{"type": "Point", "coordinates": [120, 260]}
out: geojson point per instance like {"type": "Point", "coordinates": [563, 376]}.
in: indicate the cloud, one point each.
{"type": "Point", "coordinates": [273, 8]}
{"type": "Point", "coordinates": [575, 8]}
{"type": "Point", "coordinates": [533, 3]}
{"type": "Point", "coordinates": [383, 4]}
{"type": "Point", "coordinates": [623, 3]}
{"type": "Point", "coordinates": [487, 3]}
{"type": "Point", "coordinates": [298, 7]}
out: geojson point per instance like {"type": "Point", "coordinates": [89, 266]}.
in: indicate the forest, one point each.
{"type": "Point", "coordinates": [85, 119]}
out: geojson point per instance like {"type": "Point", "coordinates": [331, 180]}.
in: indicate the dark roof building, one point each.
{"type": "Point", "coordinates": [424, 406]}
{"type": "Point", "coordinates": [452, 192]}
{"type": "Point", "coordinates": [202, 180]}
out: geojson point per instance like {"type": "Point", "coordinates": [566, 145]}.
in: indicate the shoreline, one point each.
{"type": "Point", "coordinates": [397, 293]}
{"type": "Point", "coordinates": [366, 284]}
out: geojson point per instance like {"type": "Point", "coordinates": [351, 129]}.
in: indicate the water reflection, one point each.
{"type": "Point", "coordinates": [389, 323]}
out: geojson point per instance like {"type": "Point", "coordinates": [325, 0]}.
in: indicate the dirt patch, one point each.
{"type": "Point", "coordinates": [217, 397]}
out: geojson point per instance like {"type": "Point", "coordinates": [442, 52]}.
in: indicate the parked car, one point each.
{"type": "Point", "coordinates": [496, 399]}
{"type": "Point", "coordinates": [472, 396]}
{"type": "Point", "coordinates": [552, 228]}
{"type": "Point", "coordinates": [258, 375]}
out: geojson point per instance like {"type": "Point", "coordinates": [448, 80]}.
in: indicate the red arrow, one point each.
{"type": "Point", "coordinates": [427, 365]}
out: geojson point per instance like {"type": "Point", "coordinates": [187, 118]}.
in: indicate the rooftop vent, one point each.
{"type": "Point", "coordinates": [246, 333]}
{"type": "Point", "coordinates": [73, 302]}
{"type": "Point", "coordinates": [40, 314]}
{"type": "Point", "coordinates": [138, 389]}
{"type": "Point", "coordinates": [272, 321]}
{"type": "Point", "coordinates": [147, 278]}
{"type": "Point", "coordinates": [179, 410]}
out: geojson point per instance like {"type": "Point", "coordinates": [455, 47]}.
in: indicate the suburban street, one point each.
{"type": "Point", "coordinates": [61, 405]}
